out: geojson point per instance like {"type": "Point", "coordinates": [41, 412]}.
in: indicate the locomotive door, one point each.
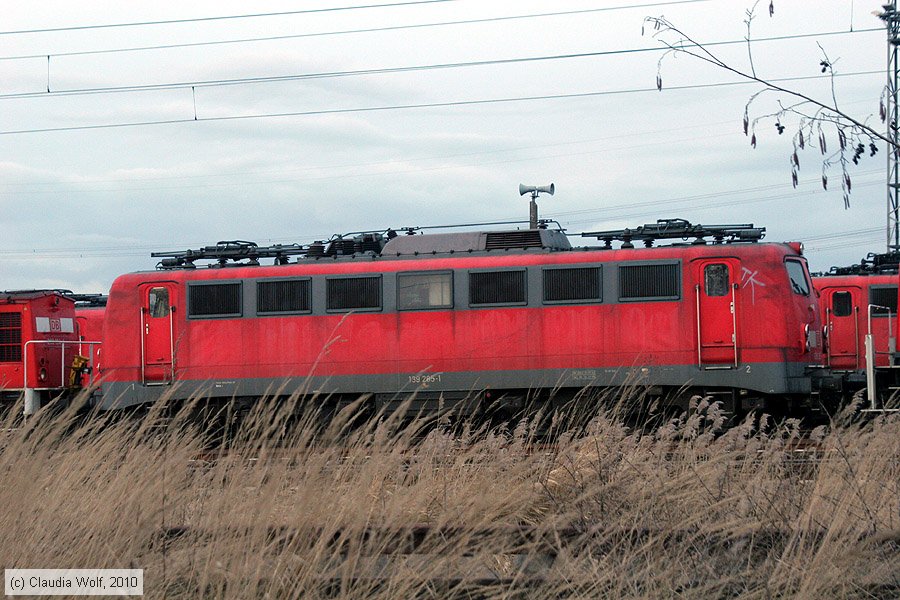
{"type": "Point", "coordinates": [842, 320]}
{"type": "Point", "coordinates": [716, 292]}
{"type": "Point", "coordinates": [157, 333]}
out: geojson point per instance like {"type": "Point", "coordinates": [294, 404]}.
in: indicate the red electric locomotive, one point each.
{"type": "Point", "coordinates": [90, 312]}
{"type": "Point", "coordinates": [859, 302]}
{"type": "Point", "coordinates": [470, 319]}
{"type": "Point", "coordinates": [38, 345]}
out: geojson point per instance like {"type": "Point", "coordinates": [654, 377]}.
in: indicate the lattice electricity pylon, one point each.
{"type": "Point", "coordinates": [891, 19]}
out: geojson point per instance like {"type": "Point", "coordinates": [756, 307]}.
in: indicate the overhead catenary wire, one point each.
{"type": "Point", "coordinates": [378, 71]}
{"type": "Point", "coordinates": [615, 212]}
{"type": "Point", "coordinates": [225, 17]}
{"type": "Point", "coordinates": [351, 31]}
{"type": "Point", "coordinates": [412, 106]}
{"type": "Point", "coordinates": [50, 186]}
{"type": "Point", "coordinates": [608, 212]}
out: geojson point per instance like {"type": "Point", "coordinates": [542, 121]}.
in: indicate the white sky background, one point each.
{"type": "Point", "coordinates": [79, 207]}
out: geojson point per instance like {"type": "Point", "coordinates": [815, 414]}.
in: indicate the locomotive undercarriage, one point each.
{"type": "Point", "coordinates": [835, 389]}
{"type": "Point", "coordinates": [559, 408]}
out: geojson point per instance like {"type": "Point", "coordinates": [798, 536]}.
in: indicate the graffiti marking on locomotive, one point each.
{"type": "Point", "coordinates": [749, 279]}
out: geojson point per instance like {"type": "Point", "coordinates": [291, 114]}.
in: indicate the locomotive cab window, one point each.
{"type": "Point", "coordinates": [497, 287]}
{"type": "Point", "coordinates": [715, 279]}
{"type": "Point", "coordinates": [649, 282]}
{"type": "Point", "coordinates": [158, 302]}
{"type": "Point", "coordinates": [282, 296]}
{"type": "Point", "coordinates": [215, 300]}
{"type": "Point", "coordinates": [10, 337]}
{"type": "Point", "coordinates": [797, 275]}
{"type": "Point", "coordinates": [883, 300]}
{"type": "Point", "coordinates": [419, 291]}
{"type": "Point", "coordinates": [842, 304]}
{"type": "Point", "coordinates": [353, 293]}
{"type": "Point", "coordinates": [572, 284]}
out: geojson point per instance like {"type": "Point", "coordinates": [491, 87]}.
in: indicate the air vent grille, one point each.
{"type": "Point", "coordinates": [10, 337]}
{"type": "Point", "coordinates": [503, 240]}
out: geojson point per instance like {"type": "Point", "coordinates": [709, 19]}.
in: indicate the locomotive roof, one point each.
{"type": "Point", "coordinates": [872, 264]}
{"type": "Point", "coordinates": [476, 241]}
{"type": "Point", "coordinates": [20, 295]}
{"type": "Point", "coordinates": [414, 243]}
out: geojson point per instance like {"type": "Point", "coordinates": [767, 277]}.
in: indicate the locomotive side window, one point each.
{"type": "Point", "coordinates": [282, 296]}
{"type": "Point", "coordinates": [797, 275]}
{"type": "Point", "coordinates": [354, 293]}
{"type": "Point", "coordinates": [215, 300]}
{"type": "Point", "coordinates": [497, 287]}
{"type": "Point", "coordinates": [10, 337]}
{"type": "Point", "coordinates": [649, 282]}
{"type": "Point", "coordinates": [716, 281]}
{"type": "Point", "coordinates": [159, 302]}
{"type": "Point", "coordinates": [842, 304]}
{"type": "Point", "coordinates": [424, 290]}
{"type": "Point", "coordinates": [575, 284]}
{"type": "Point", "coordinates": [883, 296]}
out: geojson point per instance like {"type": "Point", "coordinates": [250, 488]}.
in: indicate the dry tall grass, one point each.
{"type": "Point", "coordinates": [685, 511]}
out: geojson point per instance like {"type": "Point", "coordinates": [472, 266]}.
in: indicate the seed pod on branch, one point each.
{"type": "Point", "coordinates": [794, 180]}
{"type": "Point", "coordinates": [824, 181]}
{"type": "Point", "coordinates": [753, 140]}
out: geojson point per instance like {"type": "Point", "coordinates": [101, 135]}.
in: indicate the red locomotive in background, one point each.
{"type": "Point", "coordinates": [90, 314]}
{"type": "Point", "coordinates": [41, 346]}
{"type": "Point", "coordinates": [470, 319]}
{"type": "Point", "coordinates": [859, 302]}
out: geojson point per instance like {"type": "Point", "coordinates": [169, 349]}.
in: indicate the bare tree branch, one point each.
{"type": "Point", "coordinates": [812, 114]}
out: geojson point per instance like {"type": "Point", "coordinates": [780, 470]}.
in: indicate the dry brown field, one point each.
{"type": "Point", "coordinates": [439, 510]}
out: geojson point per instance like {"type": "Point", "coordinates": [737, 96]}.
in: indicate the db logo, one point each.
{"type": "Point", "coordinates": [55, 325]}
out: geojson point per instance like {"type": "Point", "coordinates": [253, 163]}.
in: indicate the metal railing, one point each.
{"type": "Point", "coordinates": [32, 403]}
{"type": "Point", "coordinates": [870, 358]}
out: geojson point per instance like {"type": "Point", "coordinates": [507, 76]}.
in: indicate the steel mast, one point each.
{"type": "Point", "coordinates": [891, 19]}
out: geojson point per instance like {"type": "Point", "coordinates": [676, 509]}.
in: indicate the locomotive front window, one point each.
{"type": "Point", "coordinates": [159, 302]}
{"type": "Point", "coordinates": [883, 300]}
{"type": "Point", "coordinates": [797, 275]}
{"type": "Point", "coordinates": [716, 279]}
{"type": "Point", "coordinates": [424, 290]}
{"type": "Point", "coordinates": [842, 304]}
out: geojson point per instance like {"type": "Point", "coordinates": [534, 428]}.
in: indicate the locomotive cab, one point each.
{"type": "Point", "coordinates": [38, 345]}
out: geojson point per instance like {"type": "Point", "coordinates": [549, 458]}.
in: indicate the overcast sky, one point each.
{"type": "Point", "coordinates": [91, 183]}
